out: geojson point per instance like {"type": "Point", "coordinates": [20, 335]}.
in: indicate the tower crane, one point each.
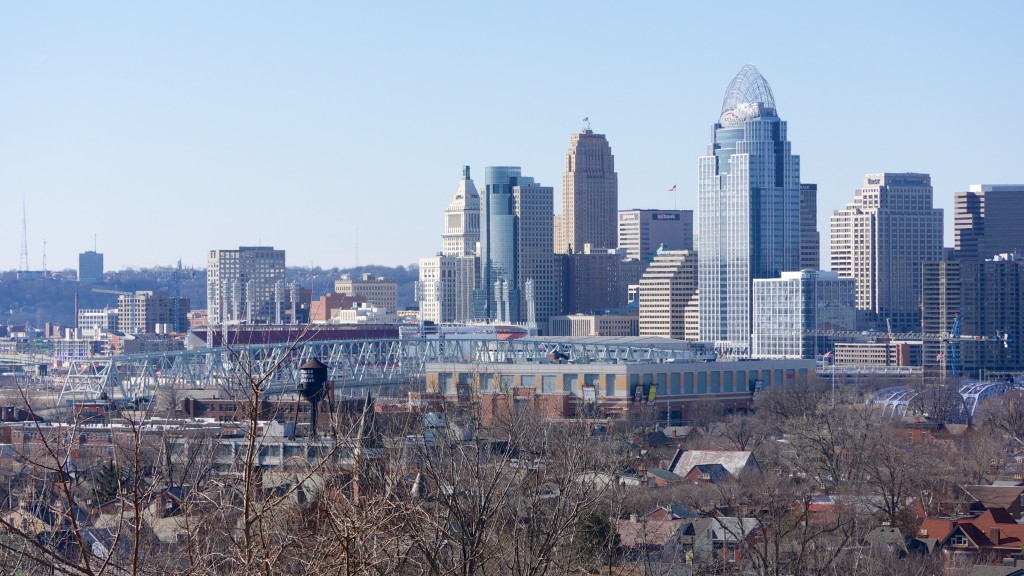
{"type": "Point", "coordinates": [952, 339]}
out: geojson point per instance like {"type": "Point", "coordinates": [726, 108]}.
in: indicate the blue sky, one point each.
{"type": "Point", "coordinates": [170, 129]}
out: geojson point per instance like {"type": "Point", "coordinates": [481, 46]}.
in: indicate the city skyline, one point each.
{"type": "Point", "coordinates": [266, 112]}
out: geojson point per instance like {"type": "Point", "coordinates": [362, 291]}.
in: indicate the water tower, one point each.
{"type": "Point", "coordinates": [313, 386]}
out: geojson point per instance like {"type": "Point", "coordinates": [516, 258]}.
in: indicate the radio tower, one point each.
{"type": "Point", "coordinates": [24, 237]}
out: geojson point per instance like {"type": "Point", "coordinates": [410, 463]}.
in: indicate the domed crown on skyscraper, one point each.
{"type": "Point", "coordinates": [748, 96]}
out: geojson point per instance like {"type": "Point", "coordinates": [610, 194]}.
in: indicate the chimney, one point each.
{"type": "Point", "coordinates": [993, 535]}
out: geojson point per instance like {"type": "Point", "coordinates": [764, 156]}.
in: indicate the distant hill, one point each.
{"type": "Point", "coordinates": [38, 301]}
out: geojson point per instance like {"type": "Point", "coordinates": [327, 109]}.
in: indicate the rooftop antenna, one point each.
{"type": "Point", "coordinates": [24, 237]}
{"type": "Point", "coordinates": [586, 122]}
{"type": "Point", "coordinates": [44, 255]}
{"type": "Point", "coordinates": [357, 246]}
{"type": "Point", "coordinates": [94, 245]}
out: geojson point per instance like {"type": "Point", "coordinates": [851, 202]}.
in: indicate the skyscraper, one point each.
{"type": "Point", "coordinates": [642, 232]}
{"type": "Point", "coordinates": [810, 242]}
{"type": "Point", "coordinates": [986, 221]}
{"type": "Point", "coordinates": [668, 285]}
{"type": "Point", "coordinates": [462, 219]}
{"type": "Point", "coordinates": [535, 267]}
{"type": "Point", "coordinates": [497, 293]}
{"type": "Point", "coordinates": [880, 240]}
{"type": "Point", "coordinates": [246, 285]}
{"type": "Point", "coordinates": [90, 266]}
{"type": "Point", "coordinates": [987, 296]}
{"type": "Point", "coordinates": [749, 217]}
{"type": "Point", "coordinates": [590, 194]}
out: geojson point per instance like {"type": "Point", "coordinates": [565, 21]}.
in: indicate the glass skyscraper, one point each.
{"type": "Point", "coordinates": [497, 294]}
{"type": "Point", "coordinates": [749, 217]}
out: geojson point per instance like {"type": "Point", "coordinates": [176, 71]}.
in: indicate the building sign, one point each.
{"type": "Point", "coordinates": [627, 216]}
{"type": "Point", "coordinates": [589, 394]}
{"type": "Point", "coordinates": [666, 216]}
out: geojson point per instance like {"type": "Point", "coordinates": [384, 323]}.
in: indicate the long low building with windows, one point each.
{"type": "Point", "coordinates": [667, 391]}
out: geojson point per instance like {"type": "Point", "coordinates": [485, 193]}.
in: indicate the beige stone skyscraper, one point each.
{"type": "Point", "coordinates": [462, 219]}
{"type": "Point", "coordinates": [666, 288]}
{"type": "Point", "coordinates": [881, 239]}
{"type": "Point", "coordinates": [590, 195]}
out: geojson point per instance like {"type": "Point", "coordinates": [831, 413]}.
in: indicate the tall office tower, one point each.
{"type": "Point", "coordinates": [150, 311]}
{"type": "Point", "coordinates": [497, 291]}
{"type": "Point", "coordinates": [986, 221]}
{"type": "Point", "coordinates": [668, 285]}
{"type": "Point", "coordinates": [462, 219]}
{"type": "Point", "coordinates": [445, 289]}
{"type": "Point", "coordinates": [535, 268]}
{"type": "Point", "coordinates": [642, 232]}
{"type": "Point", "coordinates": [597, 281]}
{"type": "Point", "coordinates": [90, 267]}
{"type": "Point", "coordinates": [986, 295]}
{"type": "Point", "coordinates": [590, 194]}
{"type": "Point", "coordinates": [810, 242]}
{"type": "Point", "coordinates": [786, 309]}
{"type": "Point", "coordinates": [245, 285]}
{"type": "Point", "coordinates": [749, 217]}
{"type": "Point", "coordinates": [880, 240]}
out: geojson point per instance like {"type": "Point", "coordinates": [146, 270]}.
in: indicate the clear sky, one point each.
{"type": "Point", "coordinates": [170, 129]}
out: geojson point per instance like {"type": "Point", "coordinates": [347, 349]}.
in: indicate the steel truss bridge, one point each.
{"type": "Point", "coordinates": [357, 363]}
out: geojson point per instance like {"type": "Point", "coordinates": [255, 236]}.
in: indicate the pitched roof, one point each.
{"type": "Point", "coordinates": [734, 461]}
{"type": "Point", "coordinates": [995, 496]}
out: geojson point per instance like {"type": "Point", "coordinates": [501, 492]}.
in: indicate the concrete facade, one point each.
{"type": "Point", "coordinates": [446, 287]}
{"type": "Point", "coordinates": [595, 325]}
{"type": "Point", "coordinates": [614, 390]}
{"type": "Point", "coordinates": [642, 232]}
{"type": "Point", "coordinates": [881, 240]}
{"type": "Point", "coordinates": [668, 285]}
{"type": "Point", "coordinates": [986, 221]}
{"type": "Point", "coordinates": [245, 285]}
{"type": "Point", "coordinates": [378, 291]}
{"type": "Point", "coordinates": [590, 194]}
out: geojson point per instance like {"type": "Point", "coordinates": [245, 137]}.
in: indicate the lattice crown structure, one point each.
{"type": "Point", "coordinates": [748, 96]}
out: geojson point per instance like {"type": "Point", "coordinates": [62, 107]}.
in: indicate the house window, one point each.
{"type": "Point", "coordinates": [958, 540]}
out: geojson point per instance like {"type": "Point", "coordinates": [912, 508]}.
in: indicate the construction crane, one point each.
{"type": "Point", "coordinates": [952, 339]}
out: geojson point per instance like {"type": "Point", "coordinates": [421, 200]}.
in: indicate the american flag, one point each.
{"type": "Point", "coordinates": [940, 356]}
{"type": "Point", "coordinates": [673, 188]}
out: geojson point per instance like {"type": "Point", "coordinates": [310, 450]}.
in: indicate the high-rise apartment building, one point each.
{"type": "Point", "coordinates": [749, 216]}
{"type": "Point", "coordinates": [668, 285]}
{"type": "Point", "coordinates": [986, 221]}
{"type": "Point", "coordinates": [789, 309]}
{"type": "Point", "coordinates": [590, 194]}
{"type": "Point", "coordinates": [445, 288]}
{"type": "Point", "coordinates": [150, 311]}
{"type": "Point", "coordinates": [880, 240]}
{"type": "Point", "coordinates": [987, 297]}
{"type": "Point", "coordinates": [810, 242]}
{"type": "Point", "coordinates": [378, 291]}
{"type": "Point", "coordinates": [90, 267]}
{"type": "Point", "coordinates": [642, 232]}
{"type": "Point", "coordinates": [462, 219]}
{"type": "Point", "coordinates": [246, 285]}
